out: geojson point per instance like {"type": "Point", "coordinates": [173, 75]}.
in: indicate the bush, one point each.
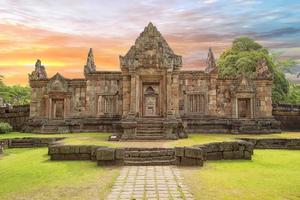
{"type": "Point", "coordinates": [5, 127]}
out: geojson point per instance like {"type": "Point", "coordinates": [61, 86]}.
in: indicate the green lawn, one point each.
{"type": "Point", "coordinates": [101, 139]}
{"type": "Point", "coordinates": [28, 173]}
{"type": "Point", "coordinates": [271, 175]}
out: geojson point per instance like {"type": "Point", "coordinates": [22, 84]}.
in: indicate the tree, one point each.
{"type": "Point", "coordinates": [243, 57]}
{"type": "Point", "coordinates": [14, 95]}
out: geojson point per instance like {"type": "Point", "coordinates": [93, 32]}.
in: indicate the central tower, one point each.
{"type": "Point", "coordinates": [150, 72]}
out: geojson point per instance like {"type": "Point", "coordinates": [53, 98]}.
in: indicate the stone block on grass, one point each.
{"type": "Point", "coordinates": [105, 154]}
{"type": "Point", "coordinates": [179, 151]}
{"type": "Point", "coordinates": [192, 152]}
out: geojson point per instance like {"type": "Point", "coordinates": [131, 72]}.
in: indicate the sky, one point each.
{"type": "Point", "coordinates": [60, 33]}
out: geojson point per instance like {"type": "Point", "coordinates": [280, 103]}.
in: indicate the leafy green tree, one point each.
{"type": "Point", "coordinates": [14, 95]}
{"type": "Point", "coordinates": [243, 57]}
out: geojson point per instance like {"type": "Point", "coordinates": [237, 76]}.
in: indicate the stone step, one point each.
{"type": "Point", "coordinates": [149, 132]}
{"type": "Point", "coordinates": [19, 144]}
{"type": "Point", "coordinates": [149, 158]}
{"type": "Point", "coordinates": [151, 162]}
{"type": "Point", "coordinates": [149, 137]}
{"type": "Point", "coordinates": [148, 125]}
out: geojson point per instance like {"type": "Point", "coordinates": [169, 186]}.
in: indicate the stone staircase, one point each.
{"type": "Point", "coordinates": [149, 156]}
{"type": "Point", "coordinates": [150, 129]}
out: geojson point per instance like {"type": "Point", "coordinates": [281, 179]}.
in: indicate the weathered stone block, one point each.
{"type": "Point", "coordinates": [191, 162]}
{"type": "Point", "coordinates": [64, 149]}
{"type": "Point", "coordinates": [57, 157]}
{"type": "Point", "coordinates": [106, 162]}
{"type": "Point", "coordinates": [238, 154]}
{"type": "Point", "coordinates": [144, 154]}
{"type": "Point", "coordinates": [214, 156]}
{"type": "Point", "coordinates": [247, 155]}
{"type": "Point", "coordinates": [105, 154]}
{"type": "Point", "coordinates": [228, 146]}
{"type": "Point", "coordinates": [214, 147]}
{"type": "Point", "coordinates": [228, 155]}
{"type": "Point", "coordinates": [120, 152]}
{"type": "Point", "coordinates": [179, 151]}
{"type": "Point", "coordinates": [53, 150]}
{"type": "Point", "coordinates": [191, 152]}
{"type": "Point", "coordinates": [84, 149]}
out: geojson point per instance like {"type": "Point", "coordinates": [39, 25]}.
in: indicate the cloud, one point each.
{"type": "Point", "coordinates": [61, 33]}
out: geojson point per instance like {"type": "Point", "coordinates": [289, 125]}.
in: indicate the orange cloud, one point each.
{"type": "Point", "coordinates": [20, 46]}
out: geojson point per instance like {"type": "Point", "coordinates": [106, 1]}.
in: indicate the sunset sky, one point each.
{"type": "Point", "coordinates": [61, 32]}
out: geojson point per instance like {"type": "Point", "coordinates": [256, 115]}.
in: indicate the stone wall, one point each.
{"type": "Point", "coordinates": [73, 152]}
{"type": "Point", "coordinates": [1, 148]}
{"type": "Point", "coordinates": [274, 143]}
{"type": "Point", "coordinates": [288, 115]}
{"type": "Point", "coordinates": [213, 151]}
{"type": "Point", "coordinates": [29, 142]}
{"type": "Point", "coordinates": [186, 156]}
{"type": "Point", "coordinates": [16, 116]}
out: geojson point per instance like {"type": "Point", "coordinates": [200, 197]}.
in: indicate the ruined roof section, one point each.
{"type": "Point", "coordinates": [210, 62]}
{"type": "Point", "coordinates": [151, 50]}
{"type": "Point", "coordinates": [39, 72]}
{"type": "Point", "coordinates": [90, 63]}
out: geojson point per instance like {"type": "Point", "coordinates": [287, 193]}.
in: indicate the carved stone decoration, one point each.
{"type": "Point", "coordinates": [57, 84]}
{"type": "Point", "coordinates": [151, 97]}
{"type": "Point", "coordinates": [90, 63]}
{"type": "Point", "coordinates": [210, 62]}
{"type": "Point", "coordinates": [151, 50]}
{"type": "Point", "coordinates": [262, 70]}
{"type": "Point", "coordinates": [39, 72]}
{"type": "Point", "coordinates": [245, 85]}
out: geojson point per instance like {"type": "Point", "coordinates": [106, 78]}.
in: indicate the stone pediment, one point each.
{"type": "Point", "coordinates": [245, 85]}
{"type": "Point", "coordinates": [151, 50]}
{"type": "Point", "coordinates": [57, 83]}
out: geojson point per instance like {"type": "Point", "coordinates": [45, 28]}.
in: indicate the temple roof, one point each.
{"type": "Point", "coordinates": [151, 50]}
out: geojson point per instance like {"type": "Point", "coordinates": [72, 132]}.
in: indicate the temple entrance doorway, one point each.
{"type": "Point", "coordinates": [244, 108]}
{"type": "Point", "coordinates": [58, 108]}
{"type": "Point", "coordinates": [150, 101]}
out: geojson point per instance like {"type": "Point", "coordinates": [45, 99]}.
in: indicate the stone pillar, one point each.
{"type": "Point", "coordinates": [129, 122]}
{"type": "Point", "coordinates": [169, 94]}
{"type": "Point", "coordinates": [172, 125]}
{"type": "Point", "coordinates": [175, 95]}
{"type": "Point", "coordinates": [212, 95]}
{"type": "Point", "coordinates": [132, 94]}
{"type": "Point", "coordinates": [126, 95]}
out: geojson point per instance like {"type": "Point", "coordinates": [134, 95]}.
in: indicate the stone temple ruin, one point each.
{"type": "Point", "coordinates": [151, 97]}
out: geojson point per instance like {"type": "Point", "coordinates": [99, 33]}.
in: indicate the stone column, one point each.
{"type": "Point", "coordinates": [132, 94]}
{"type": "Point", "coordinates": [169, 93]}
{"type": "Point", "coordinates": [129, 122]}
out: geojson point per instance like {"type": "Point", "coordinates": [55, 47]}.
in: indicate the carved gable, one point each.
{"type": "Point", "coordinates": [151, 50]}
{"type": "Point", "coordinates": [245, 85]}
{"type": "Point", "coordinates": [57, 84]}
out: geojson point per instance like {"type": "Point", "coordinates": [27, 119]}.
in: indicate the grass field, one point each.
{"type": "Point", "coordinates": [271, 175]}
{"type": "Point", "coordinates": [101, 139]}
{"type": "Point", "coordinates": [29, 174]}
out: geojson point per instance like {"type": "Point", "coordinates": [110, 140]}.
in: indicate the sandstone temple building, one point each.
{"type": "Point", "coordinates": [151, 97]}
